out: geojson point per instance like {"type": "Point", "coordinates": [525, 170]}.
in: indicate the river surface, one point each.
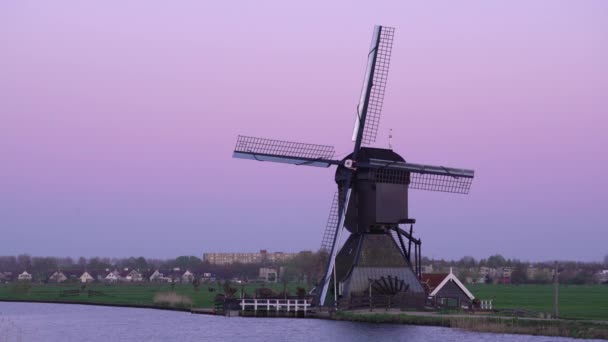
{"type": "Point", "coordinates": [77, 323]}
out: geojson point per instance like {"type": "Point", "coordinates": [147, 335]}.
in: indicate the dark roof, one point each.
{"type": "Point", "coordinates": [431, 280]}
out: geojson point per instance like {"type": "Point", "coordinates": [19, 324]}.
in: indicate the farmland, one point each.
{"type": "Point", "coordinates": [128, 294]}
{"type": "Point", "coordinates": [575, 301]}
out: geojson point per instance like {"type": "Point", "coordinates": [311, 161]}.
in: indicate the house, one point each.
{"type": "Point", "coordinates": [446, 290]}
{"type": "Point", "coordinates": [602, 277]}
{"type": "Point", "coordinates": [174, 275]}
{"type": "Point", "coordinates": [506, 275]}
{"type": "Point", "coordinates": [268, 274]}
{"type": "Point", "coordinates": [86, 277]}
{"type": "Point", "coordinates": [24, 276]}
{"type": "Point", "coordinates": [187, 277]}
{"type": "Point", "coordinates": [207, 277]}
{"type": "Point", "coordinates": [131, 276]}
{"type": "Point", "coordinates": [427, 268]}
{"type": "Point", "coordinates": [57, 277]}
{"type": "Point", "coordinates": [5, 277]}
{"type": "Point", "coordinates": [156, 276]}
{"type": "Point", "coordinates": [112, 277]}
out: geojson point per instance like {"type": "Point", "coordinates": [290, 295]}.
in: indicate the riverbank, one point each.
{"type": "Point", "coordinates": [484, 324]}
{"type": "Point", "coordinates": [491, 324]}
{"type": "Point", "coordinates": [58, 322]}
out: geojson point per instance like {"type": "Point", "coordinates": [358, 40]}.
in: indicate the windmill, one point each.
{"type": "Point", "coordinates": [372, 197]}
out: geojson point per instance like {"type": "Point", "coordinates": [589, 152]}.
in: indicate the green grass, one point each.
{"type": "Point", "coordinates": [129, 294]}
{"type": "Point", "coordinates": [575, 301]}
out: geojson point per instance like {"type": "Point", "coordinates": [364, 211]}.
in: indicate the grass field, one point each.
{"type": "Point", "coordinates": [575, 301]}
{"type": "Point", "coordinates": [131, 294]}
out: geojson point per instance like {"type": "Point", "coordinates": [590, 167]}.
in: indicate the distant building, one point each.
{"type": "Point", "coordinates": [602, 277]}
{"type": "Point", "coordinates": [132, 276]}
{"type": "Point", "coordinates": [187, 277]}
{"type": "Point", "coordinates": [156, 276]}
{"type": "Point", "coordinates": [86, 277]}
{"type": "Point", "coordinates": [24, 276]}
{"type": "Point", "coordinates": [268, 274]}
{"type": "Point", "coordinates": [6, 277]}
{"type": "Point", "coordinates": [506, 274]}
{"type": "Point", "coordinates": [112, 277]}
{"type": "Point", "coordinates": [57, 277]}
{"type": "Point", "coordinates": [247, 258]}
{"type": "Point", "coordinates": [427, 268]}
{"type": "Point", "coordinates": [446, 290]}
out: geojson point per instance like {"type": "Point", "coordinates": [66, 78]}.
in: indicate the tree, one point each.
{"type": "Point", "coordinates": [606, 260]}
{"type": "Point", "coordinates": [467, 261]}
{"type": "Point", "coordinates": [82, 262]}
{"type": "Point", "coordinates": [24, 262]}
{"type": "Point", "coordinates": [496, 261]}
{"type": "Point", "coordinates": [519, 275]}
{"type": "Point", "coordinates": [8, 264]}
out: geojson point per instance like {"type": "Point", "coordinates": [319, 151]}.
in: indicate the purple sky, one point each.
{"type": "Point", "coordinates": [117, 122]}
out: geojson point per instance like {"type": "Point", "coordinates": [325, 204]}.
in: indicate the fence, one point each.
{"type": "Point", "coordinates": [276, 305]}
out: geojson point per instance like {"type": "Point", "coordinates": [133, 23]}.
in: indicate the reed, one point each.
{"type": "Point", "coordinates": [172, 299]}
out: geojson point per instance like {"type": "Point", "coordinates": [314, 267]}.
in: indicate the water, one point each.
{"type": "Point", "coordinates": [78, 323]}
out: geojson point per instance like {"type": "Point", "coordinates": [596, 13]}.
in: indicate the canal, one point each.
{"type": "Point", "coordinates": [77, 323]}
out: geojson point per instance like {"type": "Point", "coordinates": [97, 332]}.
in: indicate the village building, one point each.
{"type": "Point", "coordinates": [5, 277]}
{"type": "Point", "coordinates": [86, 277]}
{"type": "Point", "coordinates": [427, 268]}
{"type": "Point", "coordinates": [602, 277]}
{"type": "Point", "coordinates": [24, 276]}
{"type": "Point", "coordinates": [187, 277]}
{"type": "Point", "coordinates": [268, 274]}
{"type": "Point", "coordinates": [156, 276]}
{"type": "Point", "coordinates": [506, 274]}
{"type": "Point", "coordinates": [247, 258]}
{"type": "Point", "coordinates": [112, 277]}
{"type": "Point", "coordinates": [57, 277]}
{"type": "Point", "coordinates": [446, 290]}
{"type": "Point", "coordinates": [131, 276]}
{"type": "Point", "coordinates": [207, 277]}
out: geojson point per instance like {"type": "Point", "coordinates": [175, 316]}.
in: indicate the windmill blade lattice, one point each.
{"type": "Point", "coordinates": [280, 151]}
{"type": "Point", "coordinates": [380, 77]}
{"type": "Point", "coordinates": [331, 226]}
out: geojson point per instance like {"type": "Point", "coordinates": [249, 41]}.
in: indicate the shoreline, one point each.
{"type": "Point", "coordinates": [136, 306]}
{"type": "Point", "coordinates": [484, 324]}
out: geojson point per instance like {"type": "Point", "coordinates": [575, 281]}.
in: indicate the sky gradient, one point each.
{"type": "Point", "coordinates": [118, 120]}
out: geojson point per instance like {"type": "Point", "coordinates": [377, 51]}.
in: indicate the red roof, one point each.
{"type": "Point", "coordinates": [431, 280]}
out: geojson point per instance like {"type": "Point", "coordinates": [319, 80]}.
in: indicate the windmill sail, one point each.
{"type": "Point", "coordinates": [331, 226]}
{"type": "Point", "coordinates": [374, 85]}
{"type": "Point", "coordinates": [334, 248]}
{"type": "Point", "coordinates": [421, 177]}
{"type": "Point", "coordinates": [280, 151]}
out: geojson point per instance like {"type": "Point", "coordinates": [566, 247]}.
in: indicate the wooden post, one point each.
{"type": "Point", "coordinates": [555, 292]}
{"type": "Point", "coordinates": [370, 296]}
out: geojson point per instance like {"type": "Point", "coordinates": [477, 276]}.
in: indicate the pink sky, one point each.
{"type": "Point", "coordinates": [117, 123]}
